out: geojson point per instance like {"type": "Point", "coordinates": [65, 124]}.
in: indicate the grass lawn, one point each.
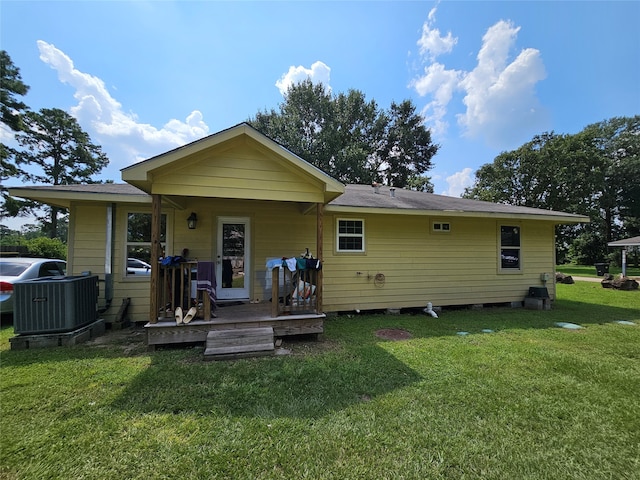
{"type": "Point", "coordinates": [590, 270]}
{"type": "Point", "coordinates": [528, 401]}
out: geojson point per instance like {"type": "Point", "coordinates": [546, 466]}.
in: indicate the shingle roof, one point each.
{"type": "Point", "coordinates": [355, 197]}
{"type": "Point", "coordinates": [364, 196]}
{"type": "Point", "coordinates": [96, 188]}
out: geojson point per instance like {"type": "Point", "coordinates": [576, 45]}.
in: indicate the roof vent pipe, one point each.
{"type": "Point", "coordinates": [392, 191]}
{"type": "Point", "coordinates": [376, 187]}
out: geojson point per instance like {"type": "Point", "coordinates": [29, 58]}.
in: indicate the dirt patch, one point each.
{"type": "Point", "coordinates": [393, 334]}
{"type": "Point", "coordinates": [132, 340]}
{"type": "Point", "coordinates": [305, 347]}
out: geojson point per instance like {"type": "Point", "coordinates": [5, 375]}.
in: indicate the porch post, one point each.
{"type": "Point", "coordinates": [156, 251]}
{"type": "Point", "coordinates": [319, 244]}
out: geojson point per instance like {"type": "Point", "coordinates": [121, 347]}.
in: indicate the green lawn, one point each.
{"type": "Point", "coordinates": [590, 270]}
{"type": "Point", "coordinates": [529, 401]}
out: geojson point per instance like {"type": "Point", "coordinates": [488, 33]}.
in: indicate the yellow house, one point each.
{"type": "Point", "coordinates": [255, 203]}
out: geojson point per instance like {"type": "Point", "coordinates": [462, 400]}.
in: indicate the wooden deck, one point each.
{"type": "Point", "coordinates": [246, 315]}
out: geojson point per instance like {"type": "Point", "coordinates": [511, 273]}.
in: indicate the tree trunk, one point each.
{"type": "Point", "coordinates": [53, 232]}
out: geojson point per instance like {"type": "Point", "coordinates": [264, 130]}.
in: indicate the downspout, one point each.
{"type": "Point", "coordinates": [108, 258]}
{"type": "Point", "coordinates": [429, 310]}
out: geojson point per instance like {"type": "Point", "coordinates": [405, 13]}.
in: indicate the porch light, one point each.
{"type": "Point", "coordinates": [192, 221]}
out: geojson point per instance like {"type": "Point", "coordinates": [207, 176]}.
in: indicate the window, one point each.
{"type": "Point", "coordinates": [350, 235]}
{"type": "Point", "coordinates": [441, 227]}
{"type": "Point", "coordinates": [139, 242]}
{"type": "Point", "coordinates": [52, 269]}
{"type": "Point", "coordinates": [510, 248]}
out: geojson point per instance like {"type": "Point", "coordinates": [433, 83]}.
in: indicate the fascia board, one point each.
{"type": "Point", "coordinates": [455, 213]}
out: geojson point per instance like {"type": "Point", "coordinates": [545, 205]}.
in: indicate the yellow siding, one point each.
{"type": "Point", "coordinates": [419, 266]}
{"type": "Point", "coordinates": [87, 243]}
{"type": "Point", "coordinates": [455, 268]}
{"type": "Point", "coordinates": [241, 173]}
{"type": "Point", "coordinates": [277, 229]}
{"type": "Point", "coordinates": [89, 233]}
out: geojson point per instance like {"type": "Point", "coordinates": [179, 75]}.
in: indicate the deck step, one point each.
{"type": "Point", "coordinates": [239, 343]}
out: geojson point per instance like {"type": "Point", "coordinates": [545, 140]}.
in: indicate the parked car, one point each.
{"type": "Point", "coordinates": [19, 269]}
{"type": "Point", "coordinates": [137, 267]}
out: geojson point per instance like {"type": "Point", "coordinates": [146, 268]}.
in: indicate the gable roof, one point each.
{"type": "Point", "coordinates": [239, 162]}
{"type": "Point", "coordinates": [364, 199]}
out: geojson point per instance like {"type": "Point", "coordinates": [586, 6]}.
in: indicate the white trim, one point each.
{"type": "Point", "coordinates": [509, 270]}
{"type": "Point", "coordinates": [124, 252]}
{"type": "Point", "coordinates": [234, 293]}
{"type": "Point", "coordinates": [438, 226]}
{"type": "Point", "coordinates": [350, 235]}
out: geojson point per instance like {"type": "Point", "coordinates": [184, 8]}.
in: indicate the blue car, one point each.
{"type": "Point", "coordinates": [18, 269]}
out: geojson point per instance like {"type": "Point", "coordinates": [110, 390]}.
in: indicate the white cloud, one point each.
{"type": "Point", "coordinates": [500, 96]}
{"type": "Point", "coordinates": [440, 83]}
{"type": "Point", "coordinates": [437, 82]}
{"type": "Point", "coordinates": [458, 182]}
{"type": "Point", "coordinates": [118, 131]}
{"type": "Point", "coordinates": [431, 43]}
{"type": "Point", "coordinates": [318, 73]}
{"type": "Point", "coordinates": [500, 101]}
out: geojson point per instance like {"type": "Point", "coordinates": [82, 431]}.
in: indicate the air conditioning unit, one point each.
{"type": "Point", "coordinates": [54, 304]}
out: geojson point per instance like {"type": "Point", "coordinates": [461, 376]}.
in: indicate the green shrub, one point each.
{"type": "Point", "coordinates": [47, 248]}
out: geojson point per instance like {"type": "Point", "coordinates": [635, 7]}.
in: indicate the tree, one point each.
{"type": "Point", "coordinates": [349, 137]}
{"type": "Point", "coordinates": [12, 111]}
{"type": "Point", "coordinates": [303, 123]}
{"type": "Point", "coordinates": [358, 128]}
{"type": "Point", "coordinates": [11, 85]}
{"type": "Point", "coordinates": [62, 152]}
{"type": "Point", "coordinates": [408, 149]}
{"type": "Point", "coordinates": [589, 173]}
{"type": "Point", "coordinates": [616, 143]}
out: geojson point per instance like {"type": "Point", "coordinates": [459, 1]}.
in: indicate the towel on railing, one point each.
{"type": "Point", "coordinates": [291, 264]}
{"type": "Point", "coordinates": [207, 280]}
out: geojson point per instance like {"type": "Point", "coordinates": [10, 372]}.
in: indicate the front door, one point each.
{"type": "Point", "coordinates": [233, 269]}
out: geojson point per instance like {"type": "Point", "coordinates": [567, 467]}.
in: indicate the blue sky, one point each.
{"type": "Point", "coordinates": [145, 77]}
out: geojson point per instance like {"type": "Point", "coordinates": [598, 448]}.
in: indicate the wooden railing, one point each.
{"type": "Point", "coordinates": [176, 288]}
{"type": "Point", "coordinates": [295, 293]}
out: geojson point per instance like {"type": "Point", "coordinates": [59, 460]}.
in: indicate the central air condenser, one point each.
{"type": "Point", "coordinates": [54, 304]}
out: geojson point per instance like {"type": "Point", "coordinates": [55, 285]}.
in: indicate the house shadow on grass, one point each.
{"type": "Point", "coordinates": [349, 367]}
{"type": "Point", "coordinates": [275, 387]}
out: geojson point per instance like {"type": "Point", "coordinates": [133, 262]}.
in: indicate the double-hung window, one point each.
{"type": "Point", "coordinates": [138, 246]}
{"type": "Point", "coordinates": [350, 235]}
{"type": "Point", "coordinates": [510, 248]}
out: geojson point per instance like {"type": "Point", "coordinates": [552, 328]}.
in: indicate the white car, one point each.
{"type": "Point", "coordinates": [137, 267]}
{"type": "Point", "coordinates": [18, 269]}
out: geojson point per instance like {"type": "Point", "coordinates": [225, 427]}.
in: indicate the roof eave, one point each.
{"type": "Point", "coordinates": [562, 218]}
{"type": "Point", "coordinates": [64, 199]}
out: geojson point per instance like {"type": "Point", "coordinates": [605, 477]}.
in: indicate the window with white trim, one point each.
{"type": "Point", "coordinates": [138, 246]}
{"type": "Point", "coordinates": [510, 249]}
{"type": "Point", "coordinates": [350, 235]}
{"type": "Point", "coordinates": [441, 227]}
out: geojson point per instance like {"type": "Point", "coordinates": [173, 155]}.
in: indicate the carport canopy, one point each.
{"type": "Point", "coordinates": [627, 242]}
